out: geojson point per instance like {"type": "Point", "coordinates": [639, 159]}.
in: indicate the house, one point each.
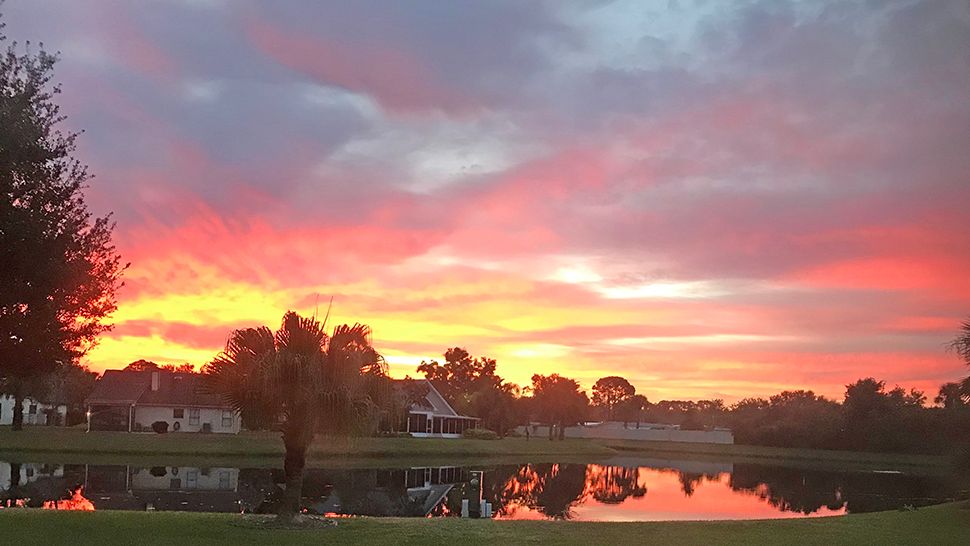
{"type": "Point", "coordinates": [35, 412]}
{"type": "Point", "coordinates": [432, 416]}
{"type": "Point", "coordinates": [134, 401]}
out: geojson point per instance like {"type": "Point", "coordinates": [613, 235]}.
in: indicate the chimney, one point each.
{"type": "Point", "coordinates": [155, 380]}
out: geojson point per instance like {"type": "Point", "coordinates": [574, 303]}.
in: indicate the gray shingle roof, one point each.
{"type": "Point", "coordinates": [134, 387]}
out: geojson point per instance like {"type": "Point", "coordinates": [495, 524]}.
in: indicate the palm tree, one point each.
{"type": "Point", "coordinates": [298, 379]}
{"type": "Point", "coordinates": [961, 346]}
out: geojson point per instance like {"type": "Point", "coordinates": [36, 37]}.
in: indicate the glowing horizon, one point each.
{"type": "Point", "coordinates": [710, 202]}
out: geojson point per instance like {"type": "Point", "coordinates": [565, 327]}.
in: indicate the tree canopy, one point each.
{"type": "Point", "coordinates": [60, 269]}
{"type": "Point", "coordinates": [609, 392]}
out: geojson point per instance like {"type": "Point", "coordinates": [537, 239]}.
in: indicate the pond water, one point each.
{"type": "Point", "coordinates": [614, 490]}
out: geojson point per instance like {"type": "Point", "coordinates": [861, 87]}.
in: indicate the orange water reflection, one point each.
{"type": "Point", "coordinates": [76, 502]}
{"type": "Point", "coordinates": [616, 493]}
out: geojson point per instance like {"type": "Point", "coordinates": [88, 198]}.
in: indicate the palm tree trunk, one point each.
{"type": "Point", "coordinates": [18, 405]}
{"type": "Point", "coordinates": [296, 440]}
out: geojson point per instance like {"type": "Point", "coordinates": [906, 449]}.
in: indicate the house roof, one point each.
{"type": "Point", "coordinates": [135, 387]}
{"type": "Point", "coordinates": [433, 401]}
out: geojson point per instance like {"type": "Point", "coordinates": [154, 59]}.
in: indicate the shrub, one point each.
{"type": "Point", "coordinates": [388, 434]}
{"type": "Point", "coordinates": [161, 427]}
{"type": "Point", "coordinates": [479, 434]}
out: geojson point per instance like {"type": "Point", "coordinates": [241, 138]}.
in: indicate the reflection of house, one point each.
{"type": "Point", "coordinates": [135, 400]}
{"type": "Point", "coordinates": [432, 416]}
{"type": "Point", "coordinates": [413, 492]}
{"type": "Point", "coordinates": [163, 488]}
{"type": "Point", "coordinates": [35, 413]}
{"type": "Point", "coordinates": [27, 473]}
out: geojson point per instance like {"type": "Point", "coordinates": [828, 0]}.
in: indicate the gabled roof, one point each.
{"type": "Point", "coordinates": [119, 386]}
{"type": "Point", "coordinates": [433, 401]}
{"type": "Point", "coordinates": [134, 387]}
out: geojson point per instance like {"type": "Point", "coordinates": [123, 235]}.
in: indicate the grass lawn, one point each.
{"type": "Point", "coordinates": [945, 524]}
{"type": "Point", "coordinates": [255, 449]}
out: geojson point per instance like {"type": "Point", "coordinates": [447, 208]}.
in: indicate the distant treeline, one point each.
{"type": "Point", "coordinates": [871, 417]}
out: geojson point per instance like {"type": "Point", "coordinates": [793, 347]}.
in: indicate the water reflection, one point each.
{"type": "Point", "coordinates": [625, 490]}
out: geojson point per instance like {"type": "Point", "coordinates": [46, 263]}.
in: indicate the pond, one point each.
{"type": "Point", "coordinates": [612, 490]}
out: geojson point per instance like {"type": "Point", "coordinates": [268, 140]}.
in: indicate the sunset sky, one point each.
{"type": "Point", "coordinates": [712, 199]}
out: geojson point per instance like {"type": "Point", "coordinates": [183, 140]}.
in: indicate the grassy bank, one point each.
{"type": "Point", "coordinates": [65, 445]}
{"type": "Point", "coordinates": [946, 524]}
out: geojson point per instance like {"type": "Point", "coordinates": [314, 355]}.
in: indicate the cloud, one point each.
{"type": "Point", "coordinates": [710, 201]}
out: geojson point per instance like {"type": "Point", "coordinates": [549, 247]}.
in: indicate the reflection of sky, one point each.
{"type": "Point", "coordinates": [712, 499]}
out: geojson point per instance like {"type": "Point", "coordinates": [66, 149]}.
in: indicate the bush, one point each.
{"type": "Point", "coordinates": [479, 434]}
{"type": "Point", "coordinates": [388, 434]}
{"type": "Point", "coordinates": [161, 427]}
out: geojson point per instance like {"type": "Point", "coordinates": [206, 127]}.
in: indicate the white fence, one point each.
{"type": "Point", "coordinates": [655, 433]}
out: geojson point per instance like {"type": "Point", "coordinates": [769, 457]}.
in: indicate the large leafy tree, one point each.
{"type": "Point", "coordinates": [300, 378]}
{"type": "Point", "coordinates": [610, 392]}
{"type": "Point", "coordinates": [559, 402]}
{"type": "Point", "coordinates": [59, 271]}
{"type": "Point", "coordinates": [461, 376]}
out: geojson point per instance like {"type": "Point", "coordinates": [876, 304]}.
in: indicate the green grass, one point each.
{"type": "Point", "coordinates": [260, 449]}
{"type": "Point", "coordinates": [945, 524]}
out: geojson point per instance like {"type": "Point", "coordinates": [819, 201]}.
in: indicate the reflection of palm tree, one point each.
{"type": "Point", "coordinates": [613, 484]}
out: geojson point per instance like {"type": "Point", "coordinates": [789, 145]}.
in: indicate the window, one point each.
{"type": "Point", "coordinates": [178, 413]}
{"type": "Point", "coordinates": [193, 416]}
{"type": "Point", "coordinates": [175, 483]}
{"type": "Point", "coordinates": [33, 409]}
{"type": "Point", "coordinates": [226, 418]}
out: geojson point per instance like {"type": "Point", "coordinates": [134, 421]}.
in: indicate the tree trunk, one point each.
{"type": "Point", "coordinates": [296, 440]}
{"type": "Point", "coordinates": [18, 406]}
{"type": "Point", "coordinates": [562, 430]}
{"type": "Point", "coordinates": [552, 429]}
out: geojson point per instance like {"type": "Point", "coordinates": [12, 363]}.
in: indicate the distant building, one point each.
{"type": "Point", "coordinates": [128, 400]}
{"type": "Point", "coordinates": [35, 412]}
{"type": "Point", "coordinates": [433, 417]}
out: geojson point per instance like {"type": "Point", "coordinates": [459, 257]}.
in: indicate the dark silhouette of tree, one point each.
{"type": "Point", "coordinates": [632, 409]}
{"type": "Point", "coordinates": [961, 343]}
{"type": "Point", "coordinates": [692, 421]}
{"type": "Point", "coordinates": [788, 419]}
{"type": "Point", "coordinates": [961, 346]}
{"type": "Point", "coordinates": [406, 394]}
{"type": "Point", "coordinates": [952, 396]}
{"type": "Point", "coordinates": [497, 406]}
{"type": "Point", "coordinates": [671, 411]}
{"type": "Point", "coordinates": [473, 388]}
{"type": "Point", "coordinates": [609, 392]}
{"type": "Point", "coordinates": [148, 365]}
{"type": "Point", "coordinates": [299, 377]}
{"type": "Point", "coordinates": [461, 376]}
{"type": "Point", "coordinates": [59, 268]}
{"type": "Point", "coordinates": [559, 402]}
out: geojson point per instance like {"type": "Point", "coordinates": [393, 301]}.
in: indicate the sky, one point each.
{"type": "Point", "coordinates": [711, 199]}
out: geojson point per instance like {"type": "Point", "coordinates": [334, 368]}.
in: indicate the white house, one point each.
{"type": "Point", "coordinates": [133, 401]}
{"type": "Point", "coordinates": [433, 417]}
{"type": "Point", "coordinates": [35, 412]}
